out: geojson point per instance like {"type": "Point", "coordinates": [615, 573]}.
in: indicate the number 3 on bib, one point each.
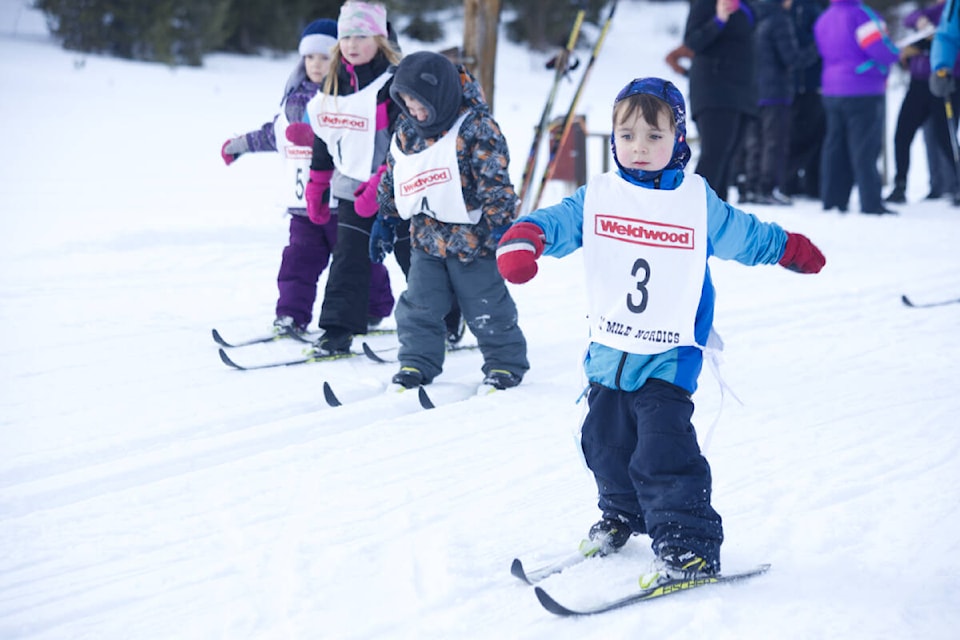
{"type": "Point", "coordinates": [638, 307]}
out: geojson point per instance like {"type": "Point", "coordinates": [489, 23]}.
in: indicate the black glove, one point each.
{"type": "Point", "coordinates": [942, 83]}
{"type": "Point", "coordinates": [569, 65]}
{"type": "Point", "coordinates": [383, 233]}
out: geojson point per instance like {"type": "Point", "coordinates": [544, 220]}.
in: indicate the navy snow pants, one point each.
{"type": "Point", "coordinates": [643, 451]}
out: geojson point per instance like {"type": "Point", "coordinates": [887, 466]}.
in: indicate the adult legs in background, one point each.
{"type": "Point", "coordinates": [836, 172]}
{"type": "Point", "coordinates": [943, 174]}
{"type": "Point", "coordinates": [775, 137]}
{"type": "Point", "coordinates": [720, 133]}
{"type": "Point", "coordinates": [748, 161]}
{"type": "Point", "coordinates": [807, 128]}
{"type": "Point", "coordinates": [864, 121]}
{"type": "Point", "coordinates": [914, 110]}
{"type": "Point", "coordinates": [941, 131]}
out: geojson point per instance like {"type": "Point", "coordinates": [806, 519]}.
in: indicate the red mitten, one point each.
{"type": "Point", "coordinates": [318, 198]}
{"type": "Point", "coordinates": [801, 255]}
{"type": "Point", "coordinates": [518, 251]}
{"type": "Point", "coordinates": [300, 134]}
{"type": "Point", "coordinates": [366, 204]}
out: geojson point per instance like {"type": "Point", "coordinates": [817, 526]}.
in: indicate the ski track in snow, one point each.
{"type": "Point", "coordinates": [148, 491]}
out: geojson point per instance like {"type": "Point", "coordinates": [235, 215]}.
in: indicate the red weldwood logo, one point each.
{"type": "Point", "coordinates": [654, 234]}
{"type": "Point", "coordinates": [297, 153]}
{"type": "Point", "coordinates": [343, 121]}
{"type": "Point", "coordinates": [425, 179]}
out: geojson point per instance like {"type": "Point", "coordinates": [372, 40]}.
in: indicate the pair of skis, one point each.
{"type": "Point", "coordinates": [443, 394]}
{"type": "Point", "coordinates": [264, 339]}
{"type": "Point", "coordinates": [543, 125]}
{"type": "Point", "coordinates": [307, 358]}
{"type": "Point", "coordinates": [663, 589]}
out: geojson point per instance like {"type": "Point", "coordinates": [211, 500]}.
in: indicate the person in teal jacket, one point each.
{"type": "Point", "coordinates": [944, 66]}
{"type": "Point", "coordinates": [647, 230]}
{"type": "Point", "coordinates": [943, 52]}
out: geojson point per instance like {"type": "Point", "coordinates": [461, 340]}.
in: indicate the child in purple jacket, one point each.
{"type": "Point", "coordinates": [311, 243]}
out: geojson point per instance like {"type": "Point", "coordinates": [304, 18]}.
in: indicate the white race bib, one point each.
{"type": "Point", "coordinates": [296, 165]}
{"type": "Point", "coordinates": [645, 253]}
{"type": "Point", "coordinates": [428, 181]}
{"type": "Point", "coordinates": [348, 126]}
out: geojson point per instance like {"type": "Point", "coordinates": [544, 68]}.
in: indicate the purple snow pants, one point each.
{"type": "Point", "coordinates": [305, 257]}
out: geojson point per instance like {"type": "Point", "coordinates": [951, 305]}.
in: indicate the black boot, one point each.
{"type": "Point", "coordinates": [334, 340]}
{"type": "Point", "coordinates": [898, 195]}
{"type": "Point", "coordinates": [606, 537]}
{"type": "Point", "coordinates": [409, 377]}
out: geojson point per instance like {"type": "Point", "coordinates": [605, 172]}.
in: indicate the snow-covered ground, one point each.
{"type": "Point", "coordinates": [147, 491]}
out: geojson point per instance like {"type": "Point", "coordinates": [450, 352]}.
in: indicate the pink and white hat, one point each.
{"type": "Point", "coordinates": [362, 19]}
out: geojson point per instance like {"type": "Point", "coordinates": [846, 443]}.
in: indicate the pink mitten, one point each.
{"type": "Point", "coordinates": [318, 197]}
{"type": "Point", "coordinates": [300, 134]}
{"type": "Point", "coordinates": [366, 204]}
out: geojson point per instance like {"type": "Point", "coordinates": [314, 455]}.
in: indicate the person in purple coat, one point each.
{"type": "Point", "coordinates": [311, 242]}
{"type": "Point", "coordinates": [857, 55]}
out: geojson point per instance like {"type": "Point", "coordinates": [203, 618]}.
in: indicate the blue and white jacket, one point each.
{"type": "Point", "coordinates": [946, 42]}
{"type": "Point", "coordinates": [732, 234]}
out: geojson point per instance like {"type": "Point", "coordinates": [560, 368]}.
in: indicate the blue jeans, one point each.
{"type": "Point", "coordinates": [851, 149]}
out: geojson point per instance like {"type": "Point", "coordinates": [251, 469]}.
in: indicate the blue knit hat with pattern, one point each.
{"type": "Point", "coordinates": [668, 92]}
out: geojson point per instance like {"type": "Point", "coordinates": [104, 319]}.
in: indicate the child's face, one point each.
{"type": "Point", "coordinates": [358, 50]}
{"type": "Point", "coordinates": [415, 107]}
{"type": "Point", "coordinates": [317, 66]}
{"type": "Point", "coordinates": [642, 146]}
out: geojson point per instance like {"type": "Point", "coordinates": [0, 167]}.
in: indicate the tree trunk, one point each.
{"type": "Point", "coordinates": [481, 23]}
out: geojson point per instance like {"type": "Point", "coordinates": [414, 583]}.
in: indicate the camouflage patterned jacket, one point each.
{"type": "Point", "coordinates": [483, 159]}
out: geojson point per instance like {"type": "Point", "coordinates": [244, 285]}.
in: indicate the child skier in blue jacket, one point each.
{"type": "Point", "coordinates": [647, 230]}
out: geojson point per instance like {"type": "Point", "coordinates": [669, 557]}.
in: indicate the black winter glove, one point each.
{"type": "Point", "coordinates": [382, 236]}
{"type": "Point", "coordinates": [942, 83]}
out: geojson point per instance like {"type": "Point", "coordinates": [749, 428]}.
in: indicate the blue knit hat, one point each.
{"type": "Point", "coordinates": [668, 92]}
{"type": "Point", "coordinates": [319, 37]}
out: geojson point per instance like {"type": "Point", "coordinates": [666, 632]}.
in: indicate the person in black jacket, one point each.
{"type": "Point", "coordinates": [768, 136]}
{"type": "Point", "coordinates": [808, 122]}
{"type": "Point", "coordinates": [723, 88]}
